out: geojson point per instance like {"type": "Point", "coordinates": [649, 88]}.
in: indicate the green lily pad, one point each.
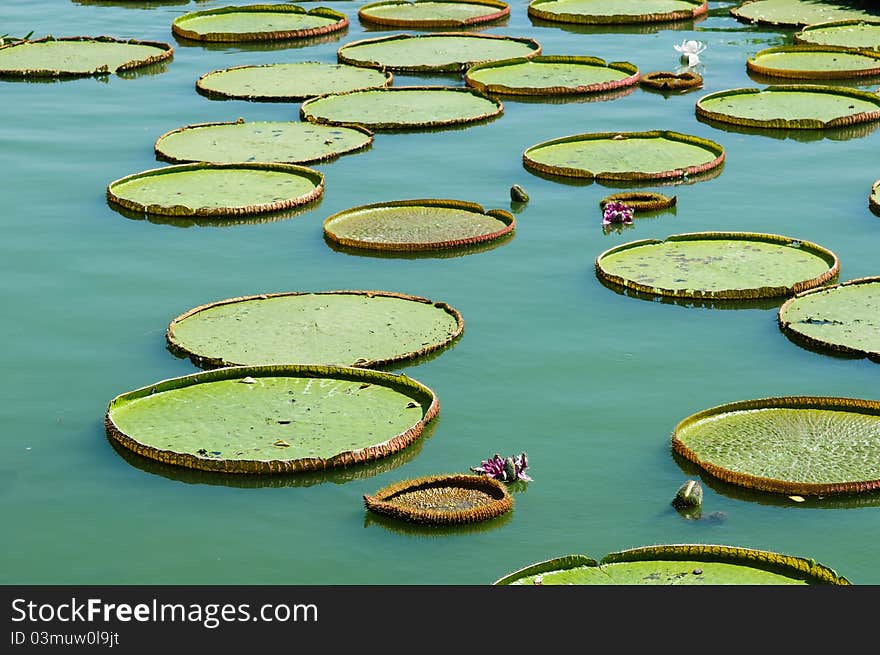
{"type": "Point", "coordinates": [656, 155]}
{"type": "Point", "coordinates": [343, 328]}
{"type": "Point", "coordinates": [402, 108]}
{"type": "Point", "coordinates": [265, 22]}
{"type": "Point", "coordinates": [272, 419]}
{"type": "Point", "coordinates": [551, 75]}
{"type": "Point", "coordinates": [720, 265]}
{"type": "Point", "coordinates": [793, 13]}
{"type": "Point", "coordinates": [678, 564]}
{"type": "Point", "coordinates": [79, 56]}
{"type": "Point", "coordinates": [262, 141]}
{"type": "Point", "coordinates": [435, 53]}
{"type": "Point", "coordinates": [592, 12]}
{"type": "Point", "coordinates": [288, 82]}
{"type": "Point", "coordinates": [433, 13]}
{"type": "Point", "coordinates": [814, 62]}
{"type": "Point", "coordinates": [206, 189]}
{"type": "Point", "coordinates": [844, 318]}
{"type": "Point", "coordinates": [411, 225]}
{"type": "Point", "coordinates": [791, 106]}
{"type": "Point", "coordinates": [805, 445]}
{"type": "Point", "coordinates": [855, 34]}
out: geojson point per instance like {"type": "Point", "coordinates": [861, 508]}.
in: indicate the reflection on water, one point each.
{"type": "Point", "coordinates": [260, 46]}
{"type": "Point", "coordinates": [128, 74]}
{"type": "Point", "coordinates": [803, 135]}
{"type": "Point", "coordinates": [217, 221]}
{"type": "Point", "coordinates": [623, 28]}
{"type": "Point", "coordinates": [701, 303]}
{"type": "Point", "coordinates": [443, 253]}
{"type": "Point", "coordinates": [421, 530]}
{"type": "Point", "coordinates": [857, 83]}
{"type": "Point", "coordinates": [711, 174]}
{"type": "Point", "coordinates": [565, 98]}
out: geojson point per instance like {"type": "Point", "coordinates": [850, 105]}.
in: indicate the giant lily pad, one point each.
{"type": "Point", "coordinates": [551, 75]}
{"type": "Point", "coordinates": [409, 225]}
{"type": "Point", "coordinates": [844, 318]}
{"type": "Point", "coordinates": [262, 141]}
{"type": "Point", "coordinates": [442, 52]}
{"type": "Point", "coordinates": [678, 564]}
{"type": "Point", "coordinates": [79, 56]}
{"type": "Point", "coordinates": [814, 62]}
{"type": "Point", "coordinates": [791, 106]}
{"type": "Point", "coordinates": [598, 12]}
{"type": "Point", "coordinates": [206, 189]}
{"type": "Point", "coordinates": [272, 419]}
{"type": "Point", "coordinates": [402, 108]}
{"type": "Point", "coordinates": [805, 445]}
{"type": "Point", "coordinates": [265, 22]}
{"type": "Point", "coordinates": [291, 82]}
{"type": "Point", "coordinates": [720, 265]}
{"type": "Point", "coordinates": [793, 13]}
{"type": "Point", "coordinates": [655, 155]}
{"type": "Point", "coordinates": [346, 328]}
{"type": "Point", "coordinates": [855, 34]}
{"type": "Point", "coordinates": [433, 13]}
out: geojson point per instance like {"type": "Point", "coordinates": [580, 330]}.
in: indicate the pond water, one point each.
{"type": "Point", "coordinates": [588, 381]}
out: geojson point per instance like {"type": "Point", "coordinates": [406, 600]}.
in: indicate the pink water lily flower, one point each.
{"type": "Point", "coordinates": [617, 212]}
{"type": "Point", "coordinates": [690, 51]}
{"type": "Point", "coordinates": [507, 469]}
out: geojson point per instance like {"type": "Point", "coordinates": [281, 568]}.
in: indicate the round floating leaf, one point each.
{"type": "Point", "coordinates": [443, 52]}
{"type": "Point", "coordinates": [79, 56]}
{"type": "Point", "coordinates": [844, 318]}
{"type": "Point", "coordinates": [442, 499]}
{"type": "Point", "coordinates": [551, 75]}
{"type": "Point", "coordinates": [804, 445]}
{"type": "Point", "coordinates": [720, 265]}
{"type": "Point", "coordinates": [402, 108]}
{"type": "Point", "coordinates": [205, 189]}
{"type": "Point", "coordinates": [266, 22]}
{"type": "Point", "coordinates": [628, 156]}
{"type": "Point", "coordinates": [793, 13]}
{"type": "Point", "coordinates": [433, 13]}
{"type": "Point", "coordinates": [265, 141]}
{"type": "Point", "coordinates": [669, 81]}
{"type": "Point", "coordinates": [346, 328]}
{"type": "Point", "coordinates": [678, 564]}
{"type": "Point", "coordinates": [640, 201]}
{"type": "Point", "coordinates": [855, 34]}
{"type": "Point", "coordinates": [791, 106]}
{"type": "Point", "coordinates": [599, 12]}
{"type": "Point", "coordinates": [288, 82]}
{"type": "Point", "coordinates": [814, 62]}
{"type": "Point", "coordinates": [272, 419]}
{"type": "Point", "coordinates": [410, 225]}
{"type": "Point", "coordinates": [874, 198]}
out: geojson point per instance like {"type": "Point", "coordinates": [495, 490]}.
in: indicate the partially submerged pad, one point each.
{"type": "Point", "coordinates": [814, 62]}
{"type": "Point", "coordinates": [272, 419]}
{"type": "Point", "coordinates": [205, 189]}
{"type": "Point", "coordinates": [641, 201]}
{"type": "Point", "coordinates": [874, 197]}
{"type": "Point", "coordinates": [449, 52]}
{"type": "Point", "coordinates": [791, 107]}
{"type": "Point", "coordinates": [805, 445]}
{"type": "Point", "coordinates": [288, 82]}
{"type": "Point", "coordinates": [794, 13]}
{"type": "Point", "coordinates": [433, 13]}
{"type": "Point", "coordinates": [841, 319]}
{"type": "Point", "coordinates": [261, 22]}
{"type": "Point", "coordinates": [678, 564]}
{"type": "Point", "coordinates": [411, 225]}
{"type": "Point", "coordinates": [855, 34]}
{"type": "Point", "coordinates": [442, 499]}
{"type": "Point", "coordinates": [719, 265]}
{"type": "Point", "coordinates": [656, 155]}
{"type": "Point", "coordinates": [670, 81]}
{"type": "Point", "coordinates": [79, 56]}
{"type": "Point", "coordinates": [402, 108]}
{"type": "Point", "coordinates": [602, 12]}
{"type": "Point", "coordinates": [551, 74]}
{"type": "Point", "coordinates": [344, 328]}
{"type": "Point", "coordinates": [292, 142]}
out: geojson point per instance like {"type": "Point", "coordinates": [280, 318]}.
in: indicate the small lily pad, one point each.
{"type": "Point", "coordinates": [599, 12]}
{"type": "Point", "coordinates": [793, 13]}
{"type": "Point", "coordinates": [669, 81]}
{"type": "Point", "coordinates": [855, 34]}
{"type": "Point", "coordinates": [551, 75]}
{"type": "Point", "coordinates": [641, 201]}
{"type": "Point", "coordinates": [433, 13]}
{"type": "Point", "coordinates": [263, 22]}
{"type": "Point", "coordinates": [814, 62]}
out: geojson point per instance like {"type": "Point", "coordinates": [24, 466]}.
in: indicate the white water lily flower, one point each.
{"type": "Point", "coordinates": [690, 51]}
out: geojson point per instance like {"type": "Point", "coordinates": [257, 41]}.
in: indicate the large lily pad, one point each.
{"type": "Point", "coordinates": [794, 13]}
{"type": "Point", "coordinates": [291, 142]}
{"type": "Point", "coordinates": [843, 319]}
{"type": "Point", "coordinates": [433, 13]}
{"type": "Point", "coordinates": [263, 22]}
{"type": "Point", "coordinates": [720, 265]}
{"type": "Point", "coordinates": [402, 108]}
{"type": "Point", "coordinates": [678, 564]}
{"type": "Point", "coordinates": [805, 445]}
{"type": "Point", "coordinates": [288, 82]}
{"type": "Point", "coordinates": [412, 225]}
{"type": "Point", "coordinates": [344, 328]}
{"type": "Point", "coordinates": [547, 75]}
{"type": "Point", "coordinates": [598, 12]}
{"type": "Point", "coordinates": [655, 155]}
{"type": "Point", "coordinates": [272, 419]}
{"type": "Point", "coordinates": [855, 34]}
{"type": "Point", "coordinates": [205, 189]}
{"type": "Point", "coordinates": [814, 62]}
{"type": "Point", "coordinates": [435, 53]}
{"type": "Point", "coordinates": [791, 107]}
{"type": "Point", "coordinates": [79, 56]}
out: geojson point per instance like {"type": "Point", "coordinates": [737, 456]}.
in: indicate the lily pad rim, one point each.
{"type": "Point", "coordinates": [681, 81]}
{"type": "Point", "coordinates": [502, 10]}
{"type": "Point", "coordinates": [701, 8]}
{"type": "Point", "coordinates": [753, 66]}
{"type": "Point", "coordinates": [341, 23]}
{"type": "Point", "coordinates": [641, 200]}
